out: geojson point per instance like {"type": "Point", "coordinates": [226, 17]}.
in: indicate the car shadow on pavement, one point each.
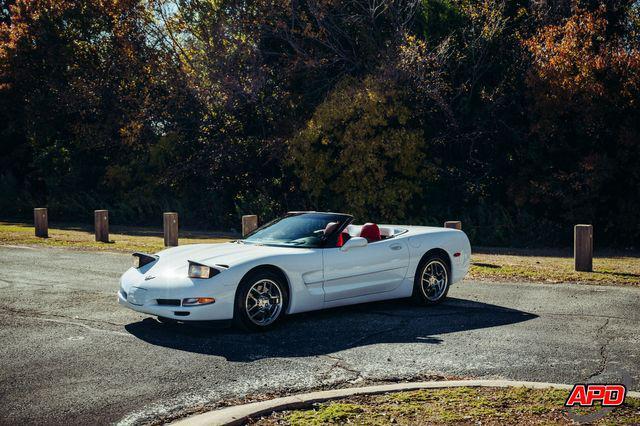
{"type": "Point", "coordinates": [332, 330]}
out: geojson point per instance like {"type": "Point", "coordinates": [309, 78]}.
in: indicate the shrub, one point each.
{"type": "Point", "coordinates": [360, 152]}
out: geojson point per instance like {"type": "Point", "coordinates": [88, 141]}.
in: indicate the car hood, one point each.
{"type": "Point", "coordinates": [227, 254]}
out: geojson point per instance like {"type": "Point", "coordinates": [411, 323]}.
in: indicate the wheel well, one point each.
{"type": "Point", "coordinates": [275, 270]}
{"type": "Point", "coordinates": [437, 252]}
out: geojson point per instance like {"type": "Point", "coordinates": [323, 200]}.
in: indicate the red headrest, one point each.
{"type": "Point", "coordinates": [371, 232]}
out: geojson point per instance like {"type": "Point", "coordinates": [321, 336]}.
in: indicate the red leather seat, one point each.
{"type": "Point", "coordinates": [343, 238]}
{"type": "Point", "coordinates": [371, 232]}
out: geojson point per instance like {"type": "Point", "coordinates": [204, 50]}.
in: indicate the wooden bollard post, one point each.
{"type": "Point", "coordinates": [249, 223]}
{"type": "Point", "coordinates": [583, 247]}
{"type": "Point", "coordinates": [455, 224]}
{"type": "Point", "coordinates": [101, 223]}
{"type": "Point", "coordinates": [170, 224]}
{"type": "Point", "coordinates": [41, 222]}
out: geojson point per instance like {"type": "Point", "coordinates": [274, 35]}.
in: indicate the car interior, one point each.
{"type": "Point", "coordinates": [371, 231]}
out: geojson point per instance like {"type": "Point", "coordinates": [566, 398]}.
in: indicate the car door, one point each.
{"type": "Point", "coordinates": [377, 267]}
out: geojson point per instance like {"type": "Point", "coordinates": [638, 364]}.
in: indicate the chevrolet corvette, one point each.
{"type": "Point", "coordinates": [303, 261]}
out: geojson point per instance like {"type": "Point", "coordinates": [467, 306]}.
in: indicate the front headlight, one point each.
{"type": "Point", "coordinates": [197, 270]}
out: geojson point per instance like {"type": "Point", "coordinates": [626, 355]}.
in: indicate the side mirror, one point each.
{"type": "Point", "coordinates": [354, 242]}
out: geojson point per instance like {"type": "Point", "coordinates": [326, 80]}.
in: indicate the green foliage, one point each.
{"type": "Point", "coordinates": [360, 152]}
{"type": "Point", "coordinates": [438, 19]}
{"type": "Point", "coordinates": [512, 116]}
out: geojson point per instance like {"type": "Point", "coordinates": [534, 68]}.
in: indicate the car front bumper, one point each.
{"type": "Point", "coordinates": [154, 301]}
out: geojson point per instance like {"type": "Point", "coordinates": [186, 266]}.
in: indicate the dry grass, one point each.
{"type": "Point", "coordinates": [553, 266]}
{"type": "Point", "coordinates": [487, 264]}
{"type": "Point", "coordinates": [486, 406]}
{"type": "Point", "coordinates": [122, 239]}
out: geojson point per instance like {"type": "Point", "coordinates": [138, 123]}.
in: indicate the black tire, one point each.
{"type": "Point", "coordinates": [426, 295]}
{"type": "Point", "coordinates": [243, 318]}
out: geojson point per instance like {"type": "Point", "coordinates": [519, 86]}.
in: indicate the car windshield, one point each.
{"type": "Point", "coordinates": [297, 230]}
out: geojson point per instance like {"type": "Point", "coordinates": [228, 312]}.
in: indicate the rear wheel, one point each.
{"type": "Point", "coordinates": [431, 283]}
{"type": "Point", "coordinates": [261, 300]}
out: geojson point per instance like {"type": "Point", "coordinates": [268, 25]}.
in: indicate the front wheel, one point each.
{"type": "Point", "coordinates": [261, 300]}
{"type": "Point", "coordinates": [431, 283]}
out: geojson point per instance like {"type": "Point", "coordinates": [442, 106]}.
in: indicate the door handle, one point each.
{"type": "Point", "coordinates": [395, 247]}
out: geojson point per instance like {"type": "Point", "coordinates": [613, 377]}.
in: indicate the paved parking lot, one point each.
{"type": "Point", "coordinates": [71, 355]}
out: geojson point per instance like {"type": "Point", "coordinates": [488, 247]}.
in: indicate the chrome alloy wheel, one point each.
{"type": "Point", "coordinates": [264, 302]}
{"type": "Point", "coordinates": [434, 280]}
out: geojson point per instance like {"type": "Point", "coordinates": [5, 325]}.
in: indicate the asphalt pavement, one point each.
{"type": "Point", "coordinates": [69, 354]}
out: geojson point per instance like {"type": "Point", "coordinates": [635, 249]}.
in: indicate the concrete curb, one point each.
{"type": "Point", "coordinates": [238, 414]}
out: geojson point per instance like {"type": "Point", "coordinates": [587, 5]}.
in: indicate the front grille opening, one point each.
{"type": "Point", "coordinates": [182, 314]}
{"type": "Point", "coordinates": [169, 302]}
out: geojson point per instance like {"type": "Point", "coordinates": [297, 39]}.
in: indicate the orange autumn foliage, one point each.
{"type": "Point", "coordinates": [580, 58]}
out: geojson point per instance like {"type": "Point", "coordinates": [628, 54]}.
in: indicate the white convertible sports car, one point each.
{"type": "Point", "coordinates": [303, 261]}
